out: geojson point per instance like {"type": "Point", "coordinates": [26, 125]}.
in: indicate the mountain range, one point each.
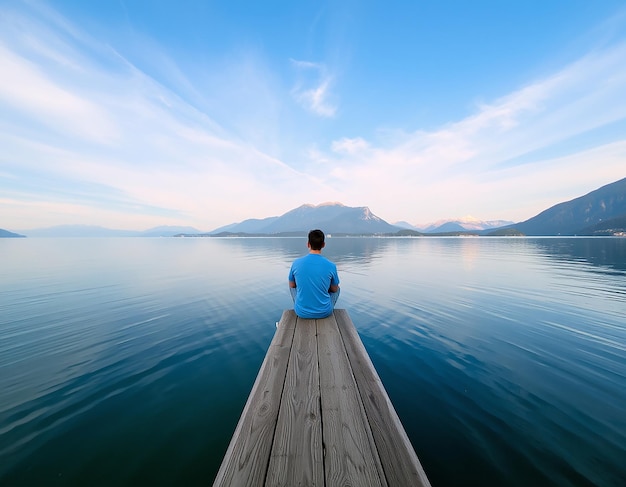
{"type": "Point", "coordinates": [7, 234]}
{"type": "Point", "coordinates": [600, 212]}
{"type": "Point", "coordinates": [464, 224]}
{"type": "Point", "coordinates": [331, 217]}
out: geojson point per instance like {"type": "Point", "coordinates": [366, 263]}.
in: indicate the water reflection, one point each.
{"type": "Point", "coordinates": [605, 252]}
{"type": "Point", "coordinates": [499, 339]}
{"type": "Point", "coordinates": [128, 361]}
{"type": "Point", "coordinates": [338, 249]}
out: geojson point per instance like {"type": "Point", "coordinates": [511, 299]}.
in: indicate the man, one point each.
{"type": "Point", "coordinates": [313, 281]}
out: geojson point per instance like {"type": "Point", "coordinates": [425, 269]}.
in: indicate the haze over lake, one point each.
{"type": "Point", "coordinates": [128, 361]}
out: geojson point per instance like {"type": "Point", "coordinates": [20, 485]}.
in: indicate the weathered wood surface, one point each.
{"type": "Point", "coordinates": [246, 459]}
{"type": "Point", "coordinates": [351, 457]}
{"type": "Point", "coordinates": [318, 415]}
{"type": "Point", "coordinates": [397, 455]}
{"type": "Point", "coordinates": [296, 457]}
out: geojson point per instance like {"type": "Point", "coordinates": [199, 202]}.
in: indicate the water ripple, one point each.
{"type": "Point", "coordinates": [128, 361]}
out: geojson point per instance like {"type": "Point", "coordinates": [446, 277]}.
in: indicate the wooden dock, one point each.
{"type": "Point", "coordinates": [318, 415]}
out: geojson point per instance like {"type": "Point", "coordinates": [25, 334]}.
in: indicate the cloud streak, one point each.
{"type": "Point", "coordinates": [151, 153]}
{"type": "Point", "coordinates": [470, 165]}
{"type": "Point", "coordinates": [89, 137]}
{"type": "Point", "coordinates": [26, 89]}
{"type": "Point", "coordinates": [313, 88]}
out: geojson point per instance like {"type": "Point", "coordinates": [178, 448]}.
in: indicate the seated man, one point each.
{"type": "Point", "coordinates": [313, 281]}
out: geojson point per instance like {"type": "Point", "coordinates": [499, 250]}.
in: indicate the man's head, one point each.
{"type": "Point", "coordinates": [316, 240]}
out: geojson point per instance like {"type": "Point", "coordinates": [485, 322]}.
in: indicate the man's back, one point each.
{"type": "Point", "coordinates": [314, 276]}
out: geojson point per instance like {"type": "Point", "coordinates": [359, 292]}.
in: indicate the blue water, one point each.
{"type": "Point", "coordinates": [128, 361]}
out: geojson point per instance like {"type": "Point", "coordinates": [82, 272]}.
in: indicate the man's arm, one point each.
{"type": "Point", "coordinates": [292, 283]}
{"type": "Point", "coordinates": [334, 279]}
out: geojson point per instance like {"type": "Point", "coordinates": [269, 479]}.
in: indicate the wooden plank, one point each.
{"type": "Point", "coordinates": [399, 461]}
{"type": "Point", "coordinates": [296, 457]}
{"type": "Point", "coordinates": [247, 457]}
{"type": "Point", "coordinates": [350, 454]}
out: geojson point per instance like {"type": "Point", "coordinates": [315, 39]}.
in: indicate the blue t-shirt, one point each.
{"type": "Point", "coordinates": [313, 275]}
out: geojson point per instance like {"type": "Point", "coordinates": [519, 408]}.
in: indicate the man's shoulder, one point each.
{"type": "Point", "coordinates": [317, 258]}
{"type": "Point", "coordinates": [299, 262]}
{"type": "Point", "coordinates": [300, 259]}
{"type": "Point", "coordinates": [326, 264]}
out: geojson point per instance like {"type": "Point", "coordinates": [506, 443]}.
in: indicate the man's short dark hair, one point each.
{"type": "Point", "coordinates": [316, 239]}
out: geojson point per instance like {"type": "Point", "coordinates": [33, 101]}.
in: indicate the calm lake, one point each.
{"type": "Point", "coordinates": [128, 361]}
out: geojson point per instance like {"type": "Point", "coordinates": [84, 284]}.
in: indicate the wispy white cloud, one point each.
{"type": "Point", "coordinates": [313, 88]}
{"type": "Point", "coordinates": [110, 125]}
{"type": "Point", "coordinates": [25, 88]}
{"type": "Point", "coordinates": [457, 165]}
{"type": "Point", "coordinates": [87, 134]}
{"type": "Point", "coordinates": [349, 146]}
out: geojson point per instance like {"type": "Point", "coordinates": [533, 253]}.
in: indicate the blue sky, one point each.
{"type": "Point", "coordinates": [132, 114]}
